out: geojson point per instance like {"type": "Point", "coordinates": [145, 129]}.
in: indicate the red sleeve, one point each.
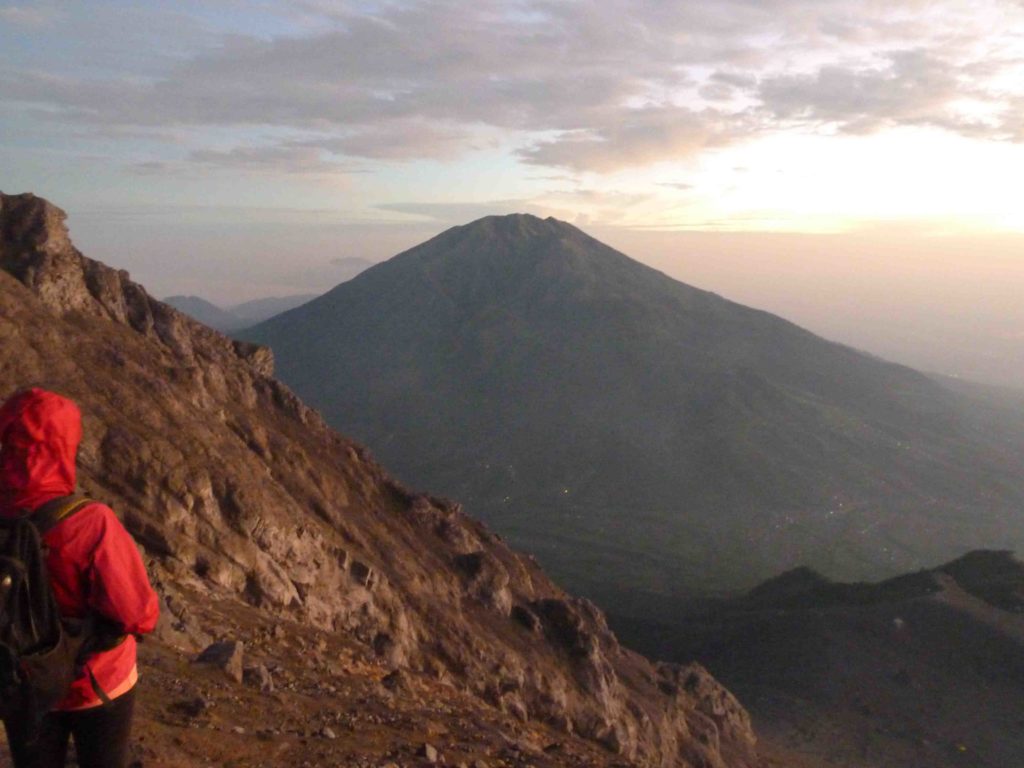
{"type": "Point", "coordinates": [118, 586]}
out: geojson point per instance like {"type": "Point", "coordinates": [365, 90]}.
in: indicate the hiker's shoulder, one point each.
{"type": "Point", "coordinates": [91, 518]}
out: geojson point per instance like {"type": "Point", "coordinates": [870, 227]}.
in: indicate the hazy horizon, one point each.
{"type": "Point", "coordinates": [852, 167]}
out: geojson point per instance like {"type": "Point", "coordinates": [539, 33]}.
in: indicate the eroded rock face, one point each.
{"type": "Point", "coordinates": [235, 488]}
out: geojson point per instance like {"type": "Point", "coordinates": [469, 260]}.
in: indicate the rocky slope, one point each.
{"type": "Point", "coordinates": [926, 669]}
{"type": "Point", "coordinates": [640, 434]}
{"type": "Point", "coordinates": [239, 492]}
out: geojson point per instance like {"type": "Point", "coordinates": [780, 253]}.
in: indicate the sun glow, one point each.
{"type": "Point", "coordinates": [829, 183]}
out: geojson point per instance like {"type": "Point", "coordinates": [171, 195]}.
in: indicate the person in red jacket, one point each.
{"type": "Point", "coordinates": [94, 567]}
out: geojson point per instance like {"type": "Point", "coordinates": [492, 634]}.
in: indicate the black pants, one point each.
{"type": "Point", "coordinates": [100, 734]}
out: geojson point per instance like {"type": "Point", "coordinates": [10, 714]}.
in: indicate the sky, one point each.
{"type": "Point", "coordinates": [852, 165]}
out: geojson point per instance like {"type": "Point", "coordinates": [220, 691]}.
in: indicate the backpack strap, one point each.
{"type": "Point", "coordinates": [96, 688]}
{"type": "Point", "coordinates": [46, 516]}
{"type": "Point", "coordinates": [94, 635]}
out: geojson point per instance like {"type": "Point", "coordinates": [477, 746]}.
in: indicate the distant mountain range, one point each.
{"type": "Point", "coordinates": [209, 314]}
{"type": "Point", "coordinates": [249, 313]}
{"type": "Point", "coordinates": [238, 316]}
{"type": "Point", "coordinates": [926, 669]}
{"type": "Point", "coordinates": [641, 436]}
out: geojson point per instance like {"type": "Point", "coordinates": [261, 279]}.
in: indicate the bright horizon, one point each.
{"type": "Point", "coordinates": [853, 167]}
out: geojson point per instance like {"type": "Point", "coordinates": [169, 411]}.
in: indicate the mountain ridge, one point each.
{"type": "Point", "coordinates": [920, 669]}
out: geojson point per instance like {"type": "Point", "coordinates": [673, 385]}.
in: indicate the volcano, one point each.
{"type": "Point", "coordinates": [642, 436]}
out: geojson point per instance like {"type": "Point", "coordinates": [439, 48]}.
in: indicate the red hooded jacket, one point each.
{"type": "Point", "coordinates": [93, 562]}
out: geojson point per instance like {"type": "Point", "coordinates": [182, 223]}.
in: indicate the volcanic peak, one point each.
{"type": "Point", "coordinates": [518, 237]}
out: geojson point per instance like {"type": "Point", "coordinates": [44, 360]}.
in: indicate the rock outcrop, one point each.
{"type": "Point", "coordinates": [237, 490]}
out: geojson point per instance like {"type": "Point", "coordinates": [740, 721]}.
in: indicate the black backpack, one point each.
{"type": "Point", "coordinates": [40, 651]}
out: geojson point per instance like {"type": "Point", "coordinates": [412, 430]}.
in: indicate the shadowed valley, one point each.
{"type": "Point", "coordinates": [925, 669]}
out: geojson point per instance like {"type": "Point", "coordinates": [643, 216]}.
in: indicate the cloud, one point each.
{"type": "Point", "coordinates": [151, 167]}
{"type": "Point", "coordinates": [913, 87]}
{"type": "Point", "coordinates": [275, 159]}
{"type": "Point", "coordinates": [399, 140]}
{"type": "Point", "coordinates": [639, 137]}
{"type": "Point", "coordinates": [284, 159]}
{"type": "Point", "coordinates": [585, 85]}
{"type": "Point", "coordinates": [578, 203]}
{"type": "Point", "coordinates": [459, 212]}
{"type": "Point", "coordinates": [23, 16]}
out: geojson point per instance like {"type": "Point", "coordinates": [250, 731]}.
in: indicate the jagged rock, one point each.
{"type": "Point", "coordinates": [175, 626]}
{"type": "Point", "coordinates": [259, 676]}
{"type": "Point", "coordinates": [429, 753]}
{"type": "Point", "coordinates": [226, 655]}
{"type": "Point", "coordinates": [486, 580]}
{"type": "Point", "coordinates": [526, 618]}
{"type": "Point", "coordinates": [193, 707]}
{"type": "Point", "coordinates": [396, 682]}
{"type": "Point", "coordinates": [566, 626]}
{"type": "Point", "coordinates": [513, 705]}
{"type": "Point", "coordinates": [260, 358]}
{"type": "Point", "coordinates": [362, 574]}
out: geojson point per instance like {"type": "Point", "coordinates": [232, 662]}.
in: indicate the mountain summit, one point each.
{"type": "Point", "coordinates": [636, 432]}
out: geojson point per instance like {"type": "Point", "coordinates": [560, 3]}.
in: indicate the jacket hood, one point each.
{"type": "Point", "coordinates": [39, 436]}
